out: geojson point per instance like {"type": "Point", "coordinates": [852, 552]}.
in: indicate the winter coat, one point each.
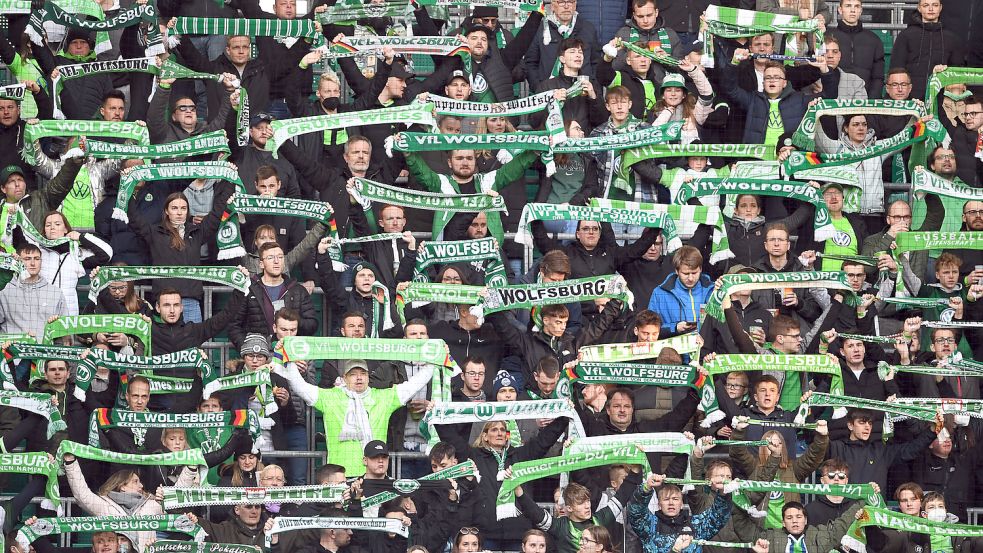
{"type": "Point", "coordinates": [675, 303]}
{"type": "Point", "coordinates": [921, 47]}
{"type": "Point", "coordinates": [164, 130]}
{"type": "Point", "coordinates": [862, 54]}
{"type": "Point", "coordinates": [543, 53]}
{"type": "Point", "coordinates": [792, 106]}
{"type": "Point", "coordinates": [589, 113]}
{"type": "Point", "coordinates": [254, 76]}
{"type": "Point", "coordinates": [47, 197]}
{"type": "Point", "coordinates": [870, 461]}
{"type": "Point", "coordinates": [969, 168]}
{"type": "Point", "coordinates": [607, 16]}
{"type": "Point", "coordinates": [650, 37]}
{"type": "Point", "coordinates": [234, 531]}
{"type": "Point", "coordinates": [256, 315]}
{"type": "Point", "coordinates": [658, 532]}
{"type": "Point", "coordinates": [815, 537]}
{"type": "Point", "coordinates": [483, 342]}
{"type": "Point", "coordinates": [169, 338]}
{"type": "Point", "coordinates": [717, 337]}
{"type": "Point", "coordinates": [488, 467]}
{"type": "Point", "coordinates": [747, 237]}
{"type": "Point", "coordinates": [797, 471]}
{"type": "Point", "coordinates": [821, 511]}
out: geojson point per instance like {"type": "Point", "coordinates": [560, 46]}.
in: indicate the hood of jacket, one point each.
{"type": "Point", "coordinates": [672, 283]}
{"type": "Point", "coordinates": [659, 24]}
{"type": "Point", "coordinates": [916, 21]}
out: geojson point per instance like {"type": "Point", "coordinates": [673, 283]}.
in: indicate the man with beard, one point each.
{"type": "Point", "coordinates": [12, 126]}
{"type": "Point", "coordinates": [251, 157]}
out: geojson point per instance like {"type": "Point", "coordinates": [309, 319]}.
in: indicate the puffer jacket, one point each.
{"type": "Point", "coordinates": [257, 313]}
{"type": "Point", "coordinates": [163, 130]}
{"type": "Point", "coordinates": [792, 106]}
{"type": "Point", "coordinates": [100, 505]}
{"type": "Point", "coordinates": [863, 55]}
{"type": "Point", "coordinates": [921, 47]}
{"type": "Point", "coordinates": [675, 303]}
{"type": "Point", "coordinates": [747, 238]}
{"type": "Point", "coordinates": [607, 16]}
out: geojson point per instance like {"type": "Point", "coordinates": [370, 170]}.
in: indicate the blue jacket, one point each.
{"type": "Point", "coordinates": [607, 16]}
{"type": "Point", "coordinates": [675, 303]}
{"type": "Point", "coordinates": [704, 525]}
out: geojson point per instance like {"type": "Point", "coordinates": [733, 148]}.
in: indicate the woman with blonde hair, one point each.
{"type": "Point", "coordinates": [492, 453]}
{"type": "Point", "coordinates": [791, 471]}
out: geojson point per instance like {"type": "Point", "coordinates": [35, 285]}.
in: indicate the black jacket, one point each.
{"type": "Point", "coordinates": [540, 58]}
{"type": "Point", "coordinates": [589, 113]}
{"type": "Point", "coordinates": [256, 313]}
{"type": "Point", "coordinates": [822, 511]}
{"type": "Point", "coordinates": [254, 76]}
{"type": "Point", "coordinates": [483, 342]}
{"type": "Point", "coordinates": [862, 54]}
{"type": "Point", "coordinates": [921, 47]}
{"type": "Point", "coordinates": [870, 461]}
{"type": "Point", "coordinates": [716, 335]}
{"type": "Point", "coordinates": [169, 338]}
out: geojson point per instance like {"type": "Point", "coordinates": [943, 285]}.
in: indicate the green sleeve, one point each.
{"type": "Point", "coordinates": [667, 176]}
{"type": "Point", "coordinates": [513, 170]}
{"type": "Point", "coordinates": [422, 172]}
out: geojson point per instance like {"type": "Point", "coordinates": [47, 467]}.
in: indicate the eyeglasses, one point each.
{"type": "Point", "coordinates": [490, 21]}
{"type": "Point", "coordinates": [836, 474]}
{"type": "Point", "coordinates": [474, 373]}
{"type": "Point", "coordinates": [774, 78]}
{"type": "Point", "coordinates": [793, 336]}
{"type": "Point", "coordinates": [898, 85]}
{"type": "Point", "coordinates": [468, 531]}
{"type": "Point", "coordinates": [946, 156]}
{"type": "Point", "coordinates": [121, 288]}
{"type": "Point", "coordinates": [273, 257]}
{"type": "Point", "coordinates": [730, 386]}
{"type": "Point", "coordinates": [186, 108]}
{"type": "Point", "coordinates": [591, 229]}
{"type": "Point", "coordinates": [944, 340]}
{"type": "Point", "coordinates": [972, 113]}
{"type": "Point", "coordinates": [973, 212]}
{"type": "Point", "coordinates": [901, 217]}
{"type": "Point", "coordinates": [776, 239]}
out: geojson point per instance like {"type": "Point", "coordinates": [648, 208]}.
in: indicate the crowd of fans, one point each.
{"type": "Point", "coordinates": [751, 94]}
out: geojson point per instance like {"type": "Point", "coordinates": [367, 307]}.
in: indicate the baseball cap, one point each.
{"type": "Point", "coordinates": [457, 74]}
{"type": "Point", "coordinates": [10, 170]}
{"type": "Point", "coordinates": [259, 118]}
{"type": "Point", "coordinates": [399, 71]}
{"type": "Point", "coordinates": [349, 364]}
{"type": "Point", "coordinates": [673, 80]}
{"type": "Point", "coordinates": [835, 185]}
{"type": "Point", "coordinates": [375, 448]}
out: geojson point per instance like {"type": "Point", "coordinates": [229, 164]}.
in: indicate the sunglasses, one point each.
{"type": "Point", "coordinates": [836, 474]}
{"type": "Point", "coordinates": [468, 530]}
{"type": "Point", "coordinates": [186, 109]}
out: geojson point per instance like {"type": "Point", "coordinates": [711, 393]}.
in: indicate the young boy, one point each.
{"type": "Point", "coordinates": [681, 297]}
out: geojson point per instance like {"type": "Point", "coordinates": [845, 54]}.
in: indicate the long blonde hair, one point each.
{"type": "Point", "coordinates": [480, 441]}
{"type": "Point", "coordinates": [238, 476]}
{"type": "Point", "coordinates": [763, 452]}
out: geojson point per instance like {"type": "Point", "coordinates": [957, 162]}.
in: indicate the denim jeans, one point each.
{"type": "Point", "coordinates": [296, 438]}
{"type": "Point", "coordinates": [192, 310]}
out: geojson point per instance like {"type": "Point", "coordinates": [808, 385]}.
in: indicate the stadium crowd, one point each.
{"type": "Point", "coordinates": [695, 277]}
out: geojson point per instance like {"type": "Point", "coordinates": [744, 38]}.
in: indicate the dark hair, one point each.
{"type": "Point", "coordinates": [441, 451]}
{"type": "Point", "coordinates": [137, 379]}
{"type": "Point", "coordinates": [528, 534]}
{"type": "Point", "coordinates": [910, 487]}
{"type": "Point", "coordinates": [113, 94]}
{"type": "Point", "coordinates": [267, 246]}
{"type": "Point", "coordinates": [643, 3]}
{"type": "Point", "coordinates": [548, 366]}
{"type": "Point", "coordinates": [647, 317]}
{"type": "Point", "coordinates": [177, 242]}
{"type": "Point", "coordinates": [324, 471]}
{"type": "Point", "coordinates": [557, 310]}
{"type": "Point", "coordinates": [831, 39]}
{"type": "Point", "coordinates": [777, 226]}
{"type": "Point", "coordinates": [415, 321]}
{"type": "Point", "coordinates": [617, 92]}
{"type": "Point", "coordinates": [834, 464]}
{"type": "Point", "coordinates": [974, 99]}
{"type": "Point", "coordinates": [781, 324]}
{"type": "Point", "coordinates": [168, 292]}
{"type": "Point", "coordinates": [571, 42]}
{"type": "Point", "coordinates": [220, 398]}
{"type": "Point", "coordinates": [931, 155]}
{"type": "Point", "coordinates": [855, 414]}
{"type": "Point", "coordinates": [265, 172]}
{"type": "Point", "coordinates": [897, 71]}
{"type": "Point", "coordinates": [794, 505]}
{"type": "Point", "coordinates": [767, 379]}
{"type": "Point", "coordinates": [27, 247]}
{"type": "Point", "coordinates": [473, 359]}
{"type": "Point", "coordinates": [350, 314]}
{"type": "Point", "coordinates": [287, 314]}
{"type": "Point", "coordinates": [621, 390]}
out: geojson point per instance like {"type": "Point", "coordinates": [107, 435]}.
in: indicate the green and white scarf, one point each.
{"type": "Point", "coordinates": [192, 360]}
{"type": "Point", "coordinates": [413, 114]}
{"type": "Point", "coordinates": [460, 470]}
{"type": "Point", "coordinates": [422, 293]}
{"type": "Point", "coordinates": [13, 92]}
{"type": "Point", "coordinates": [917, 133]}
{"type": "Point", "coordinates": [230, 238]}
{"type": "Point", "coordinates": [173, 546]}
{"type": "Point", "coordinates": [634, 374]}
{"type": "Point", "coordinates": [512, 108]}
{"type": "Point", "coordinates": [37, 403]}
{"type": "Point", "coordinates": [528, 471]}
{"type": "Point", "coordinates": [187, 457]}
{"type": "Point", "coordinates": [461, 412]}
{"type": "Point", "coordinates": [219, 170]}
{"type": "Point", "coordinates": [871, 339]}
{"type": "Point", "coordinates": [290, 524]}
{"type": "Point", "coordinates": [657, 151]}
{"type": "Point", "coordinates": [805, 135]}
{"type": "Point", "coordinates": [884, 369]}
{"type": "Point", "coordinates": [34, 463]}
{"type": "Point", "coordinates": [766, 281]}
{"type": "Point", "coordinates": [276, 28]}
{"type": "Point", "coordinates": [527, 296]}
{"type": "Point", "coordinates": [434, 351]}
{"type": "Point", "coordinates": [864, 492]}
{"type": "Point", "coordinates": [161, 384]}
{"type": "Point", "coordinates": [461, 251]}
{"type": "Point", "coordinates": [667, 61]}
{"type": "Point", "coordinates": [350, 46]}
{"type": "Point", "coordinates": [865, 260]}
{"type": "Point", "coordinates": [134, 65]}
{"type": "Point", "coordinates": [135, 15]}
{"type": "Point", "coordinates": [708, 186]}
{"type": "Point", "coordinates": [207, 143]}
{"type": "Point", "coordinates": [638, 351]}
{"type": "Point", "coordinates": [736, 23]}
{"type": "Point", "coordinates": [366, 191]}
{"type": "Point", "coordinates": [430, 142]}
{"type": "Point", "coordinates": [22, 221]}
{"type": "Point", "coordinates": [553, 212]}
{"type": "Point", "coordinates": [803, 363]}
{"type": "Point", "coordinates": [182, 498]}
{"type": "Point", "coordinates": [917, 303]}
{"type": "Point", "coordinates": [652, 442]}
{"type": "Point", "coordinates": [336, 253]}
{"type": "Point", "coordinates": [72, 128]}
{"type": "Point", "coordinates": [929, 240]}
{"type": "Point", "coordinates": [259, 379]}
{"type": "Point", "coordinates": [103, 419]}
{"type": "Point", "coordinates": [856, 538]}
{"type": "Point", "coordinates": [225, 276]}
{"type": "Point", "coordinates": [138, 523]}
{"type": "Point", "coordinates": [10, 268]}
{"type": "Point", "coordinates": [819, 399]}
{"type": "Point", "coordinates": [952, 194]}
{"type": "Point", "coordinates": [699, 214]}
{"type": "Point", "coordinates": [642, 137]}
{"type": "Point", "coordinates": [66, 325]}
{"type": "Point", "coordinates": [970, 76]}
{"type": "Point", "coordinates": [11, 7]}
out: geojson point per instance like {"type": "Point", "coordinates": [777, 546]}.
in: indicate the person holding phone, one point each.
{"type": "Point", "coordinates": [681, 295]}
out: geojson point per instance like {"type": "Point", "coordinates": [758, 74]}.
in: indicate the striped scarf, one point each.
{"type": "Point", "coordinates": [277, 28]}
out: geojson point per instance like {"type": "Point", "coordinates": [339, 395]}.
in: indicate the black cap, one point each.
{"type": "Point", "coordinates": [456, 74]}
{"type": "Point", "coordinates": [478, 27]}
{"type": "Point", "coordinates": [484, 11]}
{"type": "Point", "coordinates": [376, 448]}
{"type": "Point", "coordinates": [259, 118]}
{"type": "Point", "coordinates": [80, 34]}
{"type": "Point", "coordinates": [362, 265]}
{"type": "Point", "coordinates": [684, 50]}
{"type": "Point", "coordinates": [8, 171]}
{"type": "Point", "coordinates": [399, 71]}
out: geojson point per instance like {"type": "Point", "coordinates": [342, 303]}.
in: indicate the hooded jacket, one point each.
{"type": "Point", "coordinates": [257, 313]}
{"type": "Point", "coordinates": [792, 106]}
{"type": "Point", "coordinates": [870, 460]}
{"type": "Point", "coordinates": [675, 303]}
{"type": "Point", "coordinates": [658, 532]}
{"type": "Point", "coordinates": [921, 47]}
{"type": "Point", "coordinates": [164, 130]}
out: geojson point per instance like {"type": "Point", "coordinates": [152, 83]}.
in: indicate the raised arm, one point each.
{"type": "Point", "coordinates": [406, 390]}
{"type": "Point", "coordinates": [303, 389]}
